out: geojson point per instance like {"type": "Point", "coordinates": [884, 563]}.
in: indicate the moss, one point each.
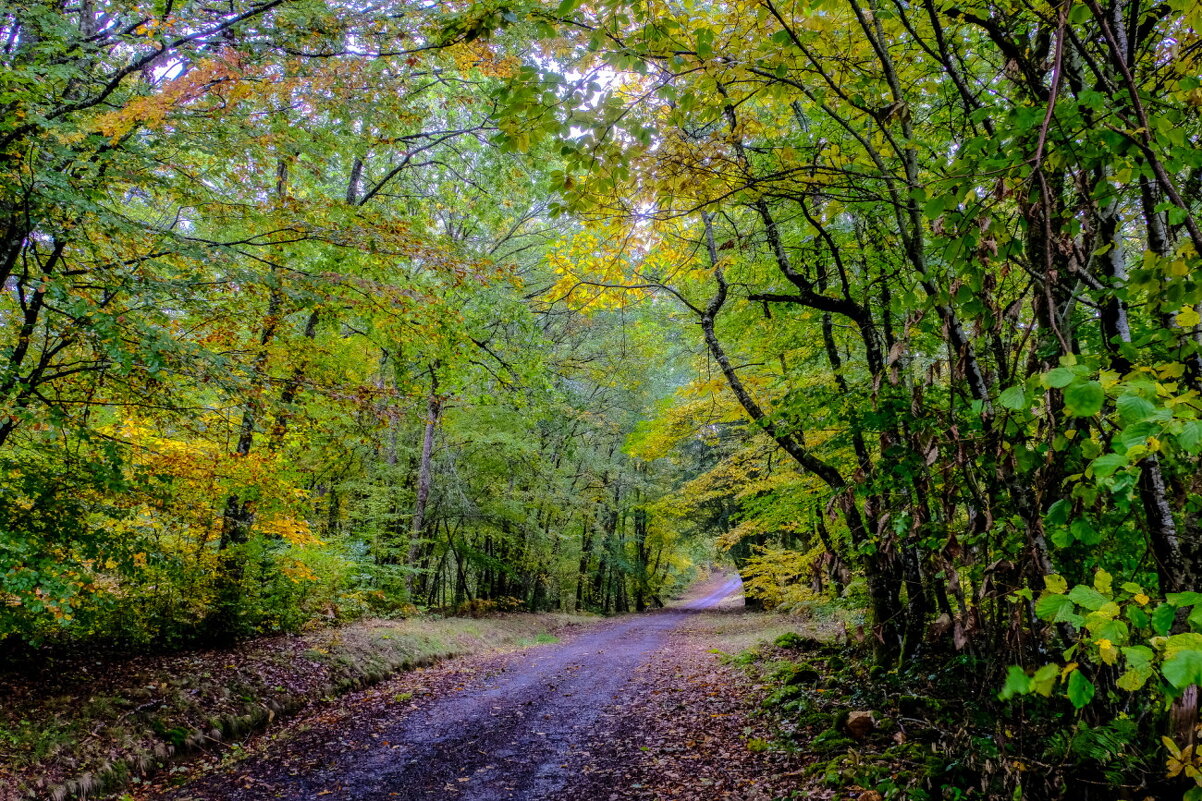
{"type": "Point", "coordinates": [918, 706]}
{"type": "Point", "coordinates": [830, 741]}
{"type": "Point", "coordinates": [803, 675]}
{"type": "Point", "coordinates": [783, 696]}
{"type": "Point", "coordinates": [815, 720]}
{"type": "Point", "coordinates": [798, 642]}
{"type": "Point", "coordinates": [757, 745]}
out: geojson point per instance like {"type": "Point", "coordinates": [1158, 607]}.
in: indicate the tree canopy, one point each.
{"type": "Point", "coordinates": [316, 309]}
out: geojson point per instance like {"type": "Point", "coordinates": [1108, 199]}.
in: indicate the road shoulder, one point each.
{"type": "Point", "coordinates": [689, 727]}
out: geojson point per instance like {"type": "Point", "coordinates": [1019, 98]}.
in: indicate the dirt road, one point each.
{"type": "Point", "coordinates": [518, 730]}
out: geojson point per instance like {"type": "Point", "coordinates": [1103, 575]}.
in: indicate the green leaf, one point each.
{"type": "Point", "coordinates": [1080, 689]}
{"type": "Point", "coordinates": [1088, 597]}
{"type": "Point", "coordinates": [1017, 683]}
{"type": "Point", "coordinates": [1134, 679]}
{"type": "Point", "coordinates": [1061, 538]}
{"type": "Point", "coordinates": [1183, 668]}
{"type": "Point", "coordinates": [934, 207]}
{"type": "Point", "coordinates": [1084, 532]}
{"type": "Point", "coordinates": [1057, 514]}
{"type": "Point", "coordinates": [1055, 583]}
{"type": "Point", "coordinates": [1114, 630]}
{"type": "Point", "coordinates": [1182, 642]}
{"type": "Point", "coordinates": [1045, 679]}
{"type": "Point", "coordinates": [1059, 378]}
{"type": "Point", "coordinates": [1084, 399]}
{"type": "Point", "coordinates": [1189, 439]}
{"type": "Point", "coordinates": [1162, 619]}
{"type": "Point", "coordinates": [1013, 398]}
{"type": "Point", "coordinates": [1138, 617]}
{"type": "Point", "coordinates": [1138, 656]}
{"type": "Point", "coordinates": [1137, 434]}
{"type": "Point", "coordinates": [1134, 408]}
{"type": "Point", "coordinates": [1180, 599]}
{"type": "Point", "coordinates": [1057, 609]}
{"type": "Point", "coordinates": [1106, 464]}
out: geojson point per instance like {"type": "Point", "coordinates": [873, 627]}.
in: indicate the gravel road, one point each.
{"type": "Point", "coordinates": [519, 732]}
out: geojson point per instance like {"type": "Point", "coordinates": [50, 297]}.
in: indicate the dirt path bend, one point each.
{"type": "Point", "coordinates": [515, 731]}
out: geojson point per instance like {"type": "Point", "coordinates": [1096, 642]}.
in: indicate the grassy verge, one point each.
{"type": "Point", "coordinates": [86, 726]}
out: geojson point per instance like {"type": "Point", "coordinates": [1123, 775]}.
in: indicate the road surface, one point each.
{"type": "Point", "coordinates": [519, 733]}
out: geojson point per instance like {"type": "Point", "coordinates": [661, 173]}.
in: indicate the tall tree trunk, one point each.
{"type": "Point", "coordinates": [424, 475]}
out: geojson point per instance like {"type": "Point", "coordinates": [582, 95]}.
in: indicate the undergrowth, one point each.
{"type": "Point", "coordinates": [939, 734]}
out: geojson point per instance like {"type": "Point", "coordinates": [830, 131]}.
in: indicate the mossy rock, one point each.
{"type": "Point", "coordinates": [804, 676]}
{"type": "Point", "coordinates": [917, 706]}
{"type": "Point", "coordinates": [814, 720]}
{"type": "Point", "coordinates": [831, 741]}
{"type": "Point", "coordinates": [797, 642]}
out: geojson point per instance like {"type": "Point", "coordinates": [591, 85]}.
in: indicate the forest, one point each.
{"type": "Point", "coordinates": [321, 310]}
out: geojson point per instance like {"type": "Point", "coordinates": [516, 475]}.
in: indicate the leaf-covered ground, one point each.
{"type": "Point", "coordinates": [689, 728]}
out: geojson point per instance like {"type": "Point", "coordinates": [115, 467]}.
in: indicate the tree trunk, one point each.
{"type": "Point", "coordinates": [424, 476]}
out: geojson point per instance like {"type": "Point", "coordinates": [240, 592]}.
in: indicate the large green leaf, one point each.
{"type": "Point", "coordinates": [1088, 597]}
{"type": "Point", "coordinates": [1057, 608]}
{"type": "Point", "coordinates": [1017, 683]}
{"type": "Point", "coordinates": [1013, 398]}
{"type": "Point", "coordinates": [1106, 464]}
{"type": "Point", "coordinates": [1184, 668]}
{"type": "Point", "coordinates": [1134, 678]}
{"type": "Point", "coordinates": [1189, 439]}
{"type": "Point", "coordinates": [1162, 618]}
{"type": "Point", "coordinates": [1080, 689]}
{"type": "Point", "coordinates": [1084, 399]}
{"type": "Point", "coordinates": [1134, 408]}
{"type": "Point", "coordinates": [1060, 377]}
